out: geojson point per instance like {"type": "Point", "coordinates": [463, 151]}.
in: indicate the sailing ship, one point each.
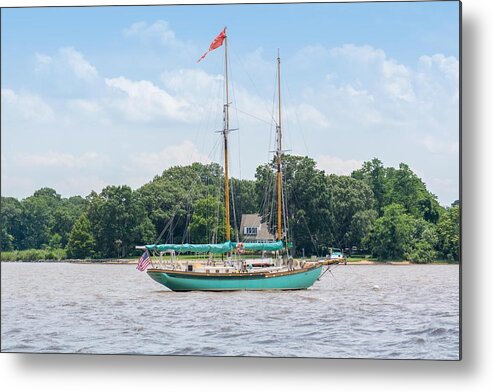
{"type": "Point", "coordinates": [235, 272]}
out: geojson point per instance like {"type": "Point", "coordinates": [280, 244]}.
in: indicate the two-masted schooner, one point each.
{"type": "Point", "coordinates": [233, 271]}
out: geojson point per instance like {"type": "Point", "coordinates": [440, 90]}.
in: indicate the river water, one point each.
{"type": "Point", "coordinates": [371, 311]}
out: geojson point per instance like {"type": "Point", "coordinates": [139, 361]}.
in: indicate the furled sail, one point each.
{"type": "Point", "coordinates": [225, 247]}
{"type": "Point", "coordinates": [260, 246]}
{"type": "Point", "coordinates": [197, 248]}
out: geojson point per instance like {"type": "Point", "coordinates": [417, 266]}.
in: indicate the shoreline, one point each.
{"type": "Point", "coordinates": [135, 261]}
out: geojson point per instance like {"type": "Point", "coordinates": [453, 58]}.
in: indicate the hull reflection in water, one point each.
{"type": "Point", "coordinates": [190, 281]}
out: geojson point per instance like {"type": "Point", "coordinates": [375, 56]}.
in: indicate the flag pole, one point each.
{"type": "Point", "coordinates": [279, 151]}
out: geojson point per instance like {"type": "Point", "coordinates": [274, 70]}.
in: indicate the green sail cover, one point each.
{"type": "Point", "coordinates": [217, 248]}
{"type": "Point", "coordinates": [197, 248]}
{"type": "Point", "coordinates": [269, 246]}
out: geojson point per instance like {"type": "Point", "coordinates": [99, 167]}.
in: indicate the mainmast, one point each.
{"type": "Point", "coordinates": [225, 135]}
{"type": "Point", "coordinates": [279, 152]}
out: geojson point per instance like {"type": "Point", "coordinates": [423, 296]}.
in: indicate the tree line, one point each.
{"type": "Point", "coordinates": [381, 211]}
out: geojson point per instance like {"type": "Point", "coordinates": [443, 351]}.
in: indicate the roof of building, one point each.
{"type": "Point", "coordinates": [254, 220]}
{"type": "Point", "coordinates": [250, 220]}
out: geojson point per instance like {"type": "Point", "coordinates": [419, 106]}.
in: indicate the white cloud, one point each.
{"type": "Point", "coordinates": [57, 159]}
{"type": "Point", "coordinates": [446, 186]}
{"type": "Point", "coordinates": [335, 165]}
{"type": "Point", "coordinates": [398, 82]}
{"type": "Point", "coordinates": [78, 64]}
{"type": "Point", "coordinates": [69, 174]}
{"type": "Point", "coordinates": [43, 58]}
{"type": "Point", "coordinates": [447, 65]}
{"type": "Point", "coordinates": [88, 107]}
{"type": "Point", "coordinates": [354, 91]}
{"type": "Point", "coordinates": [310, 116]}
{"type": "Point", "coordinates": [438, 77]}
{"type": "Point", "coordinates": [144, 101]}
{"type": "Point", "coordinates": [370, 65]}
{"type": "Point", "coordinates": [191, 81]}
{"type": "Point", "coordinates": [81, 184]}
{"type": "Point", "coordinates": [42, 61]}
{"type": "Point", "coordinates": [155, 162]}
{"type": "Point", "coordinates": [159, 30]}
{"type": "Point", "coordinates": [361, 54]}
{"type": "Point", "coordinates": [351, 97]}
{"type": "Point", "coordinates": [440, 146]}
{"type": "Point", "coordinates": [26, 106]}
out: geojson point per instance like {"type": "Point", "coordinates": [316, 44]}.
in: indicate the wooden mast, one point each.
{"type": "Point", "coordinates": [225, 135]}
{"type": "Point", "coordinates": [279, 152]}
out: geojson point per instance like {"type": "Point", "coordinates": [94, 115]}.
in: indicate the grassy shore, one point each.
{"type": "Point", "coordinates": [59, 255]}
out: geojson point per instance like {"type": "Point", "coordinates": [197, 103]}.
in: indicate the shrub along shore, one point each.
{"type": "Point", "coordinates": [59, 255]}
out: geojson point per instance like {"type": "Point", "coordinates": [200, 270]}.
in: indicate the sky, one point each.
{"type": "Point", "coordinates": [97, 96]}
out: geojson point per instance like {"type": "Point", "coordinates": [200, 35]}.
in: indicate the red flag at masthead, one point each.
{"type": "Point", "coordinates": [218, 41]}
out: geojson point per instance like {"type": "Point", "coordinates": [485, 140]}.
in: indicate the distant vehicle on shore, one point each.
{"type": "Point", "coordinates": [335, 254]}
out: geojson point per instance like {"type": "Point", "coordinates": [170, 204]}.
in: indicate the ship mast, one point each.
{"type": "Point", "coordinates": [225, 132]}
{"type": "Point", "coordinates": [279, 152]}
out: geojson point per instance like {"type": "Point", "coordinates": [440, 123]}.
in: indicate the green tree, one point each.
{"type": "Point", "coordinates": [374, 174]}
{"type": "Point", "coordinates": [207, 225]}
{"type": "Point", "coordinates": [448, 229]}
{"type": "Point", "coordinates": [244, 199]}
{"type": "Point", "coordinates": [55, 241]}
{"type": "Point", "coordinates": [146, 231]}
{"type": "Point", "coordinates": [361, 225]}
{"type": "Point", "coordinates": [65, 214]}
{"type": "Point", "coordinates": [38, 218]}
{"type": "Point", "coordinates": [423, 246]}
{"type": "Point", "coordinates": [115, 214]}
{"type": "Point", "coordinates": [392, 234]}
{"type": "Point", "coordinates": [170, 196]}
{"type": "Point", "coordinates": [399, 186]}
{"type": "Point", "coordinates": [306, 201]}
{"type": "Point", "coordinates": [81, 242]}
{"type": "Point", "coordinates": [349, 199]}
{"type": "Point", "coordinates": [405, 188]}
{"type": "Point", "coordinates": [33, 222]}
{"type": "Point", "coordinates": [11, 215]}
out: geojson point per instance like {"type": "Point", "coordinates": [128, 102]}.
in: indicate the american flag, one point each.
{"type": "Point", "coordinates": [144, 261]}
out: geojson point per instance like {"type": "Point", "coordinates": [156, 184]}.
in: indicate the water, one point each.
{"type": "Point", "coordinates": [361, 312]}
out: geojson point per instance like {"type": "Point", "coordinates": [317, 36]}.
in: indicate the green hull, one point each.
{"type": "Point", "coordinates": [184, 281]}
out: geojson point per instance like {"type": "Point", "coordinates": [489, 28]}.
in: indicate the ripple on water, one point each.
{"type": "Point", "coordinates": [115, 309]}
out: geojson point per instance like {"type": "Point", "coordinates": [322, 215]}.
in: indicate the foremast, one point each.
{"type": "Point", "coordinates": [279, 153]}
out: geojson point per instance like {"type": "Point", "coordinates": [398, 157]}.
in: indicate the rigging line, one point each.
{"type": "Point", "coordinates": [235, 226]}
{"type": "Point", "coordinates": [233, 91]}
{"type": "Point", "coordinates": [169, 234]}
{"type": "Point", "coordinates": [267, 192]}
{"type": "Point", "coordinates": [287, 131]}
{"type": "Point", "coordinates": [264, 198]}
{"type": "Point", "coordinates": [188, 197]}
{"type": "Point", "coordinates": [251, 115]}
{"type": "Point", "coordinates": [187, 221]}
{"type": "Point", "coordinates": [251, 80]}
{"type": "Point", "coordinates": [273, 124]}
{"type": "Point", "coordinates": [207, 214]}
{"type": "Point", "coordinates": [233, 204]}
{"type": "Point", "coordinates": [213, 92]}
{"type": "Point", "coordinates": [271, 212]}
{"type": "Point", "coordinates": [270, 180]}
{"type": "Point", "coordinates": [271, 147]}
{"type": "Point", "coordinates": [285, 210]}
{"type": "Point", "coordinates": [220, 219]}
{"type": "Point", "coordinates": [297, 118]}
{"type": "Point", "coordinates": [166, 226]}
{"type": "Point", "coordinates": [314, 243]}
